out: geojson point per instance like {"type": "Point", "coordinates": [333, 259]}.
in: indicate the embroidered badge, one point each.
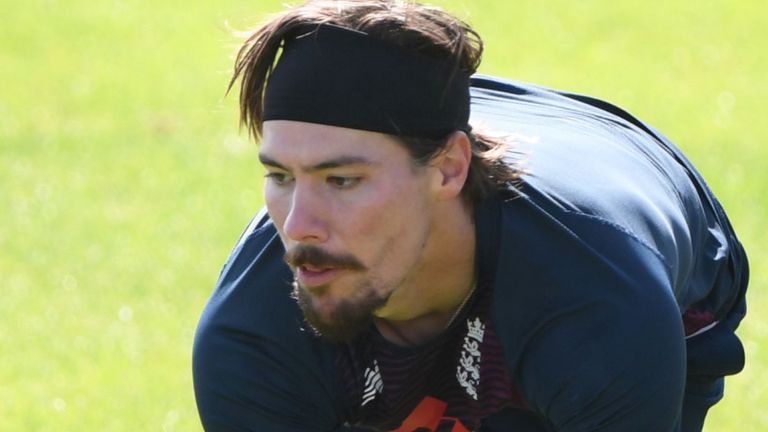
{"type": "Point", "coordinates": [468, 370]}
{"type": "Point", "coordinates": [373, 383]}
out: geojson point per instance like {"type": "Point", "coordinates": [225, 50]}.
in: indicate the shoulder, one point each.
{"type": "Point", "coordinates": [600, 173]}
{"type": "Point", "coordinates": [594, 170]}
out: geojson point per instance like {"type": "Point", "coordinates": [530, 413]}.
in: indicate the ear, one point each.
{"type": "Point", "coordinates": [452, 166]}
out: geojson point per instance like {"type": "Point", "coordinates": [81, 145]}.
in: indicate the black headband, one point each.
{"type": "Point", "coordinates": [342, 77]}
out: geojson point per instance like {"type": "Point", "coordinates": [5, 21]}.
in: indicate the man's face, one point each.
{"type": "Point", "coordinates": [353, 213]}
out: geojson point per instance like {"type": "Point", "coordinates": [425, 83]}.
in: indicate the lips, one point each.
{"type": "Point", "coordinates": [310, 276]}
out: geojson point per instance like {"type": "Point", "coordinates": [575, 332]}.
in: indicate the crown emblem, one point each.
{"type": "Point", "coordinates": [476, 329]}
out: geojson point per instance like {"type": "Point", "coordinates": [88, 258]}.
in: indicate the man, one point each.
{"type": "Point", "coordinates": [551, 264]}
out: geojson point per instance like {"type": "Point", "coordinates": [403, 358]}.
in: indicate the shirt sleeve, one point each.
{"type": "Point", "coordinates": [254, 367]}
{"type": "Point", "coordinates": [603, 367]}
{"type": "Point", "coordinates": [591, 329]}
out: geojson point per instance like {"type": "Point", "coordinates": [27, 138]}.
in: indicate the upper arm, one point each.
{"type": "Point", "coordinates": [607, 367]}
{"type": "Point", "coordinates": [254, 368]}
{"type": "Point", "coordinates": [245, 383]}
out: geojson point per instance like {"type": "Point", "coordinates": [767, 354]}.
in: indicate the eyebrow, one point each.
{"type": "Point", "coordinates": [340, 161]}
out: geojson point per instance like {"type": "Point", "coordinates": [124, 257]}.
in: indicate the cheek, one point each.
{"type": "Point", "coordinates": [277, 206]}
{"type": "Point", "coordinates": [380, 210]}
{"type": "Point", "coordinates": [394, 225]}
{"type": "Point", "coordinates": [401, 244]}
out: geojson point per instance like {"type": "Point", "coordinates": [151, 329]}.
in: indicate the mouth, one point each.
{"type": "Point", "coordinates": [310, 276]}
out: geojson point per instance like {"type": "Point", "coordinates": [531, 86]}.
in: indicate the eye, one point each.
{"type": "Point", "coordinates": [341, 182]}
{"type": "Point", "coordinates": [279, 179]}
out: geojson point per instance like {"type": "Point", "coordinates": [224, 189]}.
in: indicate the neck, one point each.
{"type": "Point", "coordinates": [425, 304]}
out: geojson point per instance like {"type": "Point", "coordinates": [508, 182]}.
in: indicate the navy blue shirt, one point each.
{"type": "Point", "coordinates": [609, 280]}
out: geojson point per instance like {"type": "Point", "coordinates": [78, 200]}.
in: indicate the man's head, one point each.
{"type": "Point", "coordinates": [364, 190]}
{"type": "Point", "coordinates": [359, 220]}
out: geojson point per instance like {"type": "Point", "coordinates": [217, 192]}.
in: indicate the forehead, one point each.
{"type": "Point", "coordinates": [302, 143]}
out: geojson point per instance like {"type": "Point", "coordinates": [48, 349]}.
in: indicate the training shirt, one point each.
{"type": "Point", "coordinates": [592, 271]}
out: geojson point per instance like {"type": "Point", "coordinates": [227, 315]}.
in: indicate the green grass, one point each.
{"type": "Point", "coordinates": [124, 181]}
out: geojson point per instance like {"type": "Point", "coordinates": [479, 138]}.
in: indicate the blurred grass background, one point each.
{"type": "Point", "coordinates": [124, 181]}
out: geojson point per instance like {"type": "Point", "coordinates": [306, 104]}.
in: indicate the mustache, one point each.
{"type": "Point", "coordinates": [317, 257]}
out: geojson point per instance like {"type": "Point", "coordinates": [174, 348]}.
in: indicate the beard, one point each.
{"type": "Point", "coordinates": [352, 316]}
{"type": "Point", "coordinates": [350, 319]}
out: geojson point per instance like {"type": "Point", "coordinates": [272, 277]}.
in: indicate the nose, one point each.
{"type": "Point", "coordinates": [305, 221]}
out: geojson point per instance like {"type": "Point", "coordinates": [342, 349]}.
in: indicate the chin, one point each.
{"type": "Point", "coordinates": [337, 320]}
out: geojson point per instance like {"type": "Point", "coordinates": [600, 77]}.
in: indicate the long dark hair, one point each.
{"type": "Point", "coordinates": [425, 29]}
